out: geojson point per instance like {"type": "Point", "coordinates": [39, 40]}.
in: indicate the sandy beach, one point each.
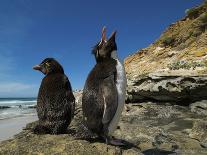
{"type": "Point", "coordinates": [10, 127]}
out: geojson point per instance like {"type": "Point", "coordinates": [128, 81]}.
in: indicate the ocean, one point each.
{"type": "Point", "coordinates": [17, 107]}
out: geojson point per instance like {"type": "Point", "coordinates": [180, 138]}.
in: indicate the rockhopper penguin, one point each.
{"type": "Point", "coordinates": [55, 102]}
{"type": "Point", "coordinates": [104, 91]}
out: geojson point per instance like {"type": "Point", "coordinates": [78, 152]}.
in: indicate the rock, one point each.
{"type": "Point", "coordinates": [168, 87]}
{"type": "Point", "coordinates": [145, 128]}
{"type": "Point", "coordinates": [4, 107]}
{"type": "Point", "coordinates": [158, 152]}
{"type": "Point", "coordinates": [199, 107]}
{"type": "Point", "coordinates": [199, 130]}
{"type": "Point", "coordinates": [154, 126]}
{"type": "Point", "coordinates": [204, 143]}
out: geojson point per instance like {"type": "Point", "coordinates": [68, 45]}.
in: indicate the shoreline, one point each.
{"type": "Point", "coordinates": [12, 126]}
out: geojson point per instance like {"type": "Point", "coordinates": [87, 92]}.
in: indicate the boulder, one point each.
{"type": "Point", "coordinates": [199, 107]}
{"type": "Point", "coordinates": [199, 132]}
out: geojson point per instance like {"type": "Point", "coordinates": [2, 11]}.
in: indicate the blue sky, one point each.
{"type": "Point", "coordinates": [31, 30]}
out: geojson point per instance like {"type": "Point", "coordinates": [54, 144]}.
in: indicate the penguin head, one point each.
{"type": "Point", "coordinates": [105, 47]}
{"type": "Point", "coordinates": [48, 66]}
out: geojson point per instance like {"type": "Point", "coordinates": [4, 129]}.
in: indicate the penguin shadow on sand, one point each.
{"type": "Point", "coordinates": [55, 101]}
{"type": "Point", "coordinates": [104, 93]}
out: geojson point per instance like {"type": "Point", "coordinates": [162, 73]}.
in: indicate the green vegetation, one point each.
{"type": "Point", "coordinates": [186, 65]}
{"type": "Point", "coordinates": [193, 12]}
{"type": "Point", "coordinates": [203, 18]}
{"type": "Point", "coordinates": [168, 41]}
{"type": "Point", "coordinates": [190, 34]}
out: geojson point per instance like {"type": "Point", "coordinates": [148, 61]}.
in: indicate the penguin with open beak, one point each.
{"type": "Point", "coordinates": [55, 102]}
{"type": "Point", "coordinates": [104, 91]}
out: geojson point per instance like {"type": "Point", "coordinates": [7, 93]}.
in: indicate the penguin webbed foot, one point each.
{"type": "Point", "coordinates": [40, 129]}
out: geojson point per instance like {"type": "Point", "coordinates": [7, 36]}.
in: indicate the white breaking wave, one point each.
{"type": "Point", "coordinates": [12, 108]}
{"type": "Point", "coordinates": [16, 102]}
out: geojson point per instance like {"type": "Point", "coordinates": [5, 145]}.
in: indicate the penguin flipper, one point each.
{"type": "Point", "coordinates": [110, 98]}
{"type": "Point", "coordinates": [68, 88]}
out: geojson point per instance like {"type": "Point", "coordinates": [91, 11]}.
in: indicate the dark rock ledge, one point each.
{"type": "Point", "coordinates": [166, 87]}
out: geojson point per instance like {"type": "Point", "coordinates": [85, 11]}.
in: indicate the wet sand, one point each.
{"type": "Point", "coordinates": [10, 127]}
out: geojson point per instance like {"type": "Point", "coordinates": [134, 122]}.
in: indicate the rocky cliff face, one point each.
{"type": "Point", "coordinates": [174, 67]}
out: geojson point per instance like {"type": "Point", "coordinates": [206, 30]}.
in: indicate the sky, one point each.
{"type": "Point", "coordinates": [32, 30]}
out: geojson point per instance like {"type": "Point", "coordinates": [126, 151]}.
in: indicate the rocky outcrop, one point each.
{"type": "Point", "coordinates": [199, 132]}
{"type": "Point", "coordinates": [199, 107]}
{"type": "Point", "coordinates": [174, 67]}
{"type": "Point", "coordinates": [168, 86]}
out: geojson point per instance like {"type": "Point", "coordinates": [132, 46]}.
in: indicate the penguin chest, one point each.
{"type": "Point", "coordinates": [121, 80]}
{"type": "Point", "coordinates": [121, 88]}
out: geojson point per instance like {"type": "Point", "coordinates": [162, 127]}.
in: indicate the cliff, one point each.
{"type": "Point", "coordinates": [174, 67]}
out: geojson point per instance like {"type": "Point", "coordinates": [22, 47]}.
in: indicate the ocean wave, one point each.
{"type": "Point", "coordinates": [17, 101]}
{"type": "Point", "coordinates": [29, 106]}
{"type": "Point", "coordinates": [13, 114]}
{"type": "Point", "coordinates": [23, 106]}
{"type": "Point", "coordinates": [17, 107]}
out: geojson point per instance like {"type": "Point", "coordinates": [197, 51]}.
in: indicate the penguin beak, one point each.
{"type": "Point", "coordinates": [103, 36]}
{"type": "Point", "coordinates": [37, 67]}
{"type": "Point", "coordinates": [40, 68]}
{"type": "Point", "coordinates": [112, 37]}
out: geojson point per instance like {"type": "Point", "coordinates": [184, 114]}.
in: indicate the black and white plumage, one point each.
{"type": "Point", "coordinates": [55, 102]}
{"type": "Point", "coordinates": [104, 91]}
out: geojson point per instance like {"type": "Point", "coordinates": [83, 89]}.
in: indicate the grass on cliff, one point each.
{"type": "Point", "coordinates": [183, 33]}
{"type": "Point", "coordinates": [186, 65]}
{"type": "Point", "coordinates": [203, 18]}
{"type": "Point", "coordinates": [193, 13]}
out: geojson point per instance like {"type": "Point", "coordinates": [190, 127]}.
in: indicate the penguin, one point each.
{"type": "Point", "coordinates": [55, 101]}
{"type": "Point", "coordinates": [104, 91]}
